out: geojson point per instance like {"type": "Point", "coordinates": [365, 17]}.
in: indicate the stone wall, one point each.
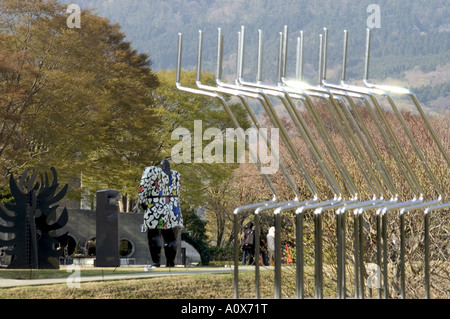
{"type": "Point", "coordinates": [82, 226]}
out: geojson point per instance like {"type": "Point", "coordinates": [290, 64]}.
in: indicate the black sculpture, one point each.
{"type": "Point", "coordinates": [33, 223]}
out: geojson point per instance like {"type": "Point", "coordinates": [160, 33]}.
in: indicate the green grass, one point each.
{"type": "Point", "coordinates": [190, 286]}
{"type": "Point", "coordinates": [64, 272]}
{"type": "Point", "coordinates": [195, 286]}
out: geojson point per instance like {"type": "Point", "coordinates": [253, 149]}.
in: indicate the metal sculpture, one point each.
{"type": "Point", "coordinates": [340, 101]}
{"type": "Point", "coordinates": [31, 222]}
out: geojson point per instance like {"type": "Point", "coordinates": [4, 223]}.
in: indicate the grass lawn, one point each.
{"type": "Point", "coordinates": [64, 272]}
{"type": "Point", "coordinates": [192, 286]}
{"type": "Point", "coordinates": [172, 286]}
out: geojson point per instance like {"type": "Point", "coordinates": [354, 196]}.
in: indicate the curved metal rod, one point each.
{"type": "Point", "coordinates": [332, 105]}
{"type": "Point", "coordinates": [376, 157]}
{"type": "Point", "coordinates": [287, 100]}
{"type": "Point", "coordinates": [243, 100]}
{"type": "Point", "coordinates": [349, 128]}
{"type": "Point", "coordinates": [370, 148]}
{"type": "Point", "coordinates": [265, 102]}
{"type": "Point", "coordinates": [226, 107]}
{"type": "Point", "coordinates": [360, 130]}
{"type": "Point", "coordinates": [390, 141]}
{"type": "Point", "coordinates": [371, 93]}
{"type": "Point", "coordinates": [299, 123]}
{"type": "Point", "coordinates": [400, 118]}
{"type": "Point", "coordinates": [402, 91]}
{"type": "Point", "coordinates": [411, 177]}
{"type": "Point", "coordinates": [235, 123]}
{"type": "Point", "coordinates": [341, 115]}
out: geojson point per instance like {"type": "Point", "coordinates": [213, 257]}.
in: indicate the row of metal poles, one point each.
{"type": "Point", "coordinates": [340, 101]}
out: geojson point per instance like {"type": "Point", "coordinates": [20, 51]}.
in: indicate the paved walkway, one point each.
{"type": "Point", "coordinates": [160, 272]}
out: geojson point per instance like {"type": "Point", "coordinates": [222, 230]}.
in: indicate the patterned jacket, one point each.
{"type": "Point", "coordinates": [158, 197]}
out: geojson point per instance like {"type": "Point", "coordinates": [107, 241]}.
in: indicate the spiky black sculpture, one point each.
{"type": "Point", "coordinates": [32, 222]}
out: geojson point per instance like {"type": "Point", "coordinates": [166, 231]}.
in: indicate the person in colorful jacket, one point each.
{"type": "Point", "coordinates": [158, 198]}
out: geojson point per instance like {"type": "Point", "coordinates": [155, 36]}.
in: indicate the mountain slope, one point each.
{"type": "Point", "coordinates": [412, 34]}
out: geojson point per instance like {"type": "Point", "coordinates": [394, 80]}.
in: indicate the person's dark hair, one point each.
{"type": "Point", "coordinates": [165, 165]}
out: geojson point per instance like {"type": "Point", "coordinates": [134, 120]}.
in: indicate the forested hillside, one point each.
{"type": "Point", "coordinates": [413, 36]}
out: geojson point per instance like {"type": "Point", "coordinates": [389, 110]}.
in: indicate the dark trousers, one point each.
{"type": "Point", "coordinates": [248, 252]}
{"type": "Point", "coordinates": [155, 243]}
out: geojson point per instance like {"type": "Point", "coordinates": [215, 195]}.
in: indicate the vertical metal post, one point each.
{"type": "Point", "coordinates": [358, 210]}
{"type": "Point", "coordinates": [324, 54]}
{"type": "Point", "coordinates": [236, 255]}
{"type": "Point", "coordinates": [278, 256]}
{"type": "Point", "coordinates": [275, 206]}
{"type": "Point", "coordinates": [403, 239]}
{"type": "Point", "coordinates": [403, 92]}
{"type": "Point", "coordinates": [403, 206]}
{"type": "Point", "coordinates": [356, 253]}
{"type": "Point", "coordinates": [348, 125]}
{"type": "Point", "coordinates": [361, 254]}
{"type": "Point", "coordinates": [219, 54]}
{"type": "Point", "coordinates": [318, 253]}
{"type": "Point", "coordinates": [344, 57]}
{"type": "Point", "coordinates": [427, 243]}
{"type": "Point", "coordinates": [343, 251]}
{"type": "Point", "coordinates": [257, 253]}
{"type": "Point", "coordinates": [299, 57]}
{"type": "Point", "coordinates": [385, 255]}
{"type": "Point", "coordinates": [236, 230]}
{"type": "Point", "coordinates": [179, 54]}
{"type": "Point", "coordinates": [284, 51]}
{"type": "Point", "coordinates": [339, 245]}
{"type": "Point", "coordinates": [366, 66]}
{"type": "Point", "coordinates": [427, 253]}
{"type": "Point", "coordinates": [379, 231]}
{"type": "Point", "coordinates": [280, 60]}
{"type": "Point", "coordinates": [299, 209]}
{"type": "Point", "coordinates": [299, 254]}
{"type": "Point", "coordinates": [320, 59]}
{"type": "Point", "coordinates": [260, 57]}
{"type": "Point", "coordinates": [402, 254]}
